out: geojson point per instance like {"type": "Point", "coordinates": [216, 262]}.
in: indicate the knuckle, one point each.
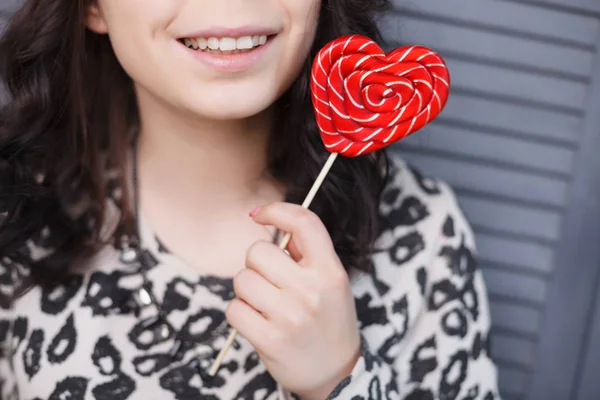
{"type": "Point", "coordinates": [338, 281]}
{"type": "Point", "coordinates": [312, 301]}
{"type": "Point", "coordinates": [232, 311]}
{"type": "Point", "coordinates": [255, 252]}
{"type": "Point", "coordinates": [307, 219]}
{"type": "Point", "coordinates": [297, 320]}
{"type": "Point", "coordinates": [275, 338]}
{"type": "Point", "coordinates": [239, 281]}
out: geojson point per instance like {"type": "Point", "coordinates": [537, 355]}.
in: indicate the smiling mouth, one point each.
{"type": "Point", "coordinates": [226, 45]}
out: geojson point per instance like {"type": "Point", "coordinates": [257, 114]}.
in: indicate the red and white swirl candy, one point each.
{"type": "Point", "coordinates": [365, 99]}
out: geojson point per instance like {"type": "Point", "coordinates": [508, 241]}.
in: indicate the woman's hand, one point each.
{"type": "Point", "coordinates": [297, 311]}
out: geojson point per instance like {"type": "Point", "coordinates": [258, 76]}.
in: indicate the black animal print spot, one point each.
{"type": "Point", "coordinates": [7, 272]}
{"type": "Point", "coordinates": [390, 196]}
{"type": "Point", "coordinates": [185, 382]}
{"type": "Point", "coordinates": [177, 295]}
{"type": "Point", "coordinates": [428, 185]}
{"type": "Point", "coordinates": [161, 246]}
{"type": "Point", "coordinates": [489, 396]}
{"type": "Point", "coordinates": [106, 357]}
{"type": "Point", "coordinates": [382, 287]}
{"type": "Point", "coordinates": [369, 315]}
{"type": "Point", "coordinates": [104, 296]}
{"type": "Point", "coordinates": [454, 323]}
{"type": "Point", "coordinates": [251, 362]}
{"type": "Point", "coordinates": [340, 388]}
{"type": "Point", "coordinates": [150, 332]}
{"type": "Point", "coordinates": [386, 351]}
{"type": "Point", "coordinates": [72, 388]}
{"type": "Point", "coordinates": [54, 300]}
{"type": "Point", "coordinates": [409, 213]}
{"type": "Point", "coordinates": [389, 348]}
{"type": "Point", "coordinates": [422, 280]}
{"type": "Point", "coordinates": [420, 394]}
{"type": "Point", "coordinates": [148, 260]}
{"type": "Point", "coordinates": [151, 364]}
{"type": "Point", "coordinates": [218, 381]}
{"type": "Point", "coordinates": [119, 388]}
{"type": "Point", "coordinates": [442, 293]}
{"type": "Point", "coordinates": [424, 360]}
{"type": "Point", "coordinates": [222, 287]}
{"type": "Point", "coordinates": [460, 261]}
{"type": "Point", "coordinates": [375, 389]}
{"type": "Point", "coordinates": [63, 344]}
{"type": "Point", "coordinates": [448, 228]}
{"type": "Point", "coordinates": [478, 346]}
{"type": "Point", "coordinates": [406, 248]}
{"type": "Point", "coordinates": [33, 353]}
{"type": "Point", "coordinates": [371, 360]}
{"type": "Point", "coordinates": [392, 386]}
{"type": "Point", "coordinates": [259, 388]}
{"type": "Point", "coordinates": [472, 393]}
{"type": "Point", "coordinates": [469, 298]}
{"type": "Point", "coordinates": [454, 375]}
{"type": "Point", "coordinates": [202, 326]}
{"type": "Point", "coordinates": [19, 331]}
{"type": "Point", "coordinates": [4, 328]}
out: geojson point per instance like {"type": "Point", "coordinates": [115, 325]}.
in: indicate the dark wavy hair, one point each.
{"type": "Point", "coordinates": [69, 116]}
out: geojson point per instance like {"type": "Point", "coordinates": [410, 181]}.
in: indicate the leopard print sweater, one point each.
{"type": "Point", "coordinates": [423, 315]}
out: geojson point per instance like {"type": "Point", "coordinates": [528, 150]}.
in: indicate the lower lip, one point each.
{"type": "Point", "coordinates": [231, 62]}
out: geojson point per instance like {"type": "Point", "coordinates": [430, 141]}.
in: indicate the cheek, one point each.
{"type": "Point", "coordinates": [303, 17]}
{"type": "Point", "coordinates": [137, 31]}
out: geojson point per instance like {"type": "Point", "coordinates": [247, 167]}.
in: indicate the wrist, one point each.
{"type": "Point", "coordinates": [324, 390]}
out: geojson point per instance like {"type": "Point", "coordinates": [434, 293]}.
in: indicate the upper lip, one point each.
{"type": "Point", "coordinates": [220, 31]}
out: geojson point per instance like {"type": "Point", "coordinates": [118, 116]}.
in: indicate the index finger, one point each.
{"type": "Point", "coordinates": [309, 235]}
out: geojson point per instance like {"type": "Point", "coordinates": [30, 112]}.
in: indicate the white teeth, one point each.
{"type": "Point", "coordinates": [213, 43]}
{"type": "Point", "coordinates": [228, 44]}
{"type": "Point", "coordinates": [244, 43]}
{"type": "Point", "coordinates": [202, 43]}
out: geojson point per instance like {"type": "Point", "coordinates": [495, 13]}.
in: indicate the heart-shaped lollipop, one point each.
{"type": "Point", "coordinates": [365, 99]}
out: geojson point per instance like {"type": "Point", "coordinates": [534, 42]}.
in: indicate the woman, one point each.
{"type": "Point", "coordinates": [137, 136]}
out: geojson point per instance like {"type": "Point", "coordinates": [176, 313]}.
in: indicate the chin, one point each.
{"type": "Point", "coordinates": [231, 107]}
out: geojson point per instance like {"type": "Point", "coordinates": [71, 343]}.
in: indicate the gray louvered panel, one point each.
{"type": "Point", "coordinates": [589, 386]}
{"type": "Point", "coordinates": [515, 317]}
{"type": "Point", "coordinates": [518, 253]}
{"type": "Point", "coordinates": [527, 86]}
{"type": "Point", "coordinates": [513, 381]}
{"type": "Point", "coordinates": [517, 350]}
{"type": "Point", "coordinates": [584, 5]}
{"type": "Point", "coordinates": [491, 114]}
{"type": "Point", "coordinates": [491, 179]}
{"type": "Point", "coordinates": [499, 216]}
{"type": "Point", "coordinates": [490, 46]}
{"type": "Point", "coordinates": [8, 6]}
{"type": "Point", "coordinates": [515, 285]}
{"type": "Point", "coordinates": [506, 149]}
{"type": "Point", "coordinates": [510, 16]}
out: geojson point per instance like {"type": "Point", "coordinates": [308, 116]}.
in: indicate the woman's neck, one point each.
{"type": "Point", "coordinates": [201, 162]}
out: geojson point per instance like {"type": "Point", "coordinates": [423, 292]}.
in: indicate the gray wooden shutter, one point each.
{"type": "Point", "coordinates": [518, 141]}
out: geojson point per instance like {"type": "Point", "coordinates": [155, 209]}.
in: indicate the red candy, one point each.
{"type": "Point", "coordinates": [365, 99]}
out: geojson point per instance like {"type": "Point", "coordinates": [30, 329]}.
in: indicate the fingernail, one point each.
{"type": "Point", "coordinates": [255, 211]}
